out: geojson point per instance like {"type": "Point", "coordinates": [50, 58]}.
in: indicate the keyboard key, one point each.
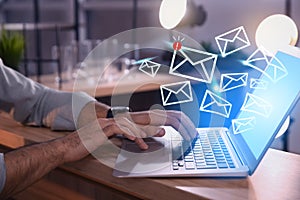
{"type": "Point", "coordinates": [189, 160]}
{"type": "Point", "coordinates": [198, 156]}
{"type": "Point", "coordinates": [222, 164]}
{"type": "Point", "coordinates": [206, 167]}
{"type": "Point", "coordinates": [230, 162]}
{"type": "Point", "coordinates": [219, 156]}
{"type": "Point", "coordinates": [210, 160]}
{"type": "Point", "coordinates": [189, 165]}
{"type": "Point", "coordinates": [175, 167]}
{"type": "Point", "coordinates": [198, 152]}
{"type": "Point", "coordinates": [190, 156]}
{"type": "Point", "coordinates": [231, 166]}
{"type": "Point", "coordinates": [211, 163]}
{"type": "Point", "coordinates": [200, 162]}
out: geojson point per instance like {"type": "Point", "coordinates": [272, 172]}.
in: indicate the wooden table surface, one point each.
{"type": "Point", "coordinates": [277, 177]}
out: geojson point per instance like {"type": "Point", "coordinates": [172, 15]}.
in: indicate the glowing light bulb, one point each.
{"type": "Point", "coordinates": [171, 12]}
{"type": "Point", "coordinates": [276, 31]}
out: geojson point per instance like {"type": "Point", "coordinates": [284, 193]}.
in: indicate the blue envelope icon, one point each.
{"type": "Point", "coordinates": [149, 67]}
{"type": "Point", "coordinates": [196, 65]}
{"type": "Point", "coordinates": [215, 104]}
{"type": "Point", "coordinates": [256, 105]}
{"type": "Point", "coordinates": [270, 67]}
{"type": "Point", "coordinates": [243, 125]}
{"type": "Point", "coordinates": [232, 81]}
{"type": "Point", "coordinates": [258, 84]}
{"type": "Point", "coordinates": [176, 93]}
{"type": "Point", "coordinates": [236, 38]}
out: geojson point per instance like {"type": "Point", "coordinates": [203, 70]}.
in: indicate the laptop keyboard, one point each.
{"type": "Point", "coordinates": [206, 151]}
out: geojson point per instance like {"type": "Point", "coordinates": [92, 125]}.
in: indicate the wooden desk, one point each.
{"type": "Point", "coordinates": [277, 177]}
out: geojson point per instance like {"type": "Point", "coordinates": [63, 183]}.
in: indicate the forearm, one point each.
{"type": "Point", "coordinates": [26, 165]}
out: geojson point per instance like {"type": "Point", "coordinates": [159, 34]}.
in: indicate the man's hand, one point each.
{"type": "Point", "coordinates": [137, 125]}
{"type": "Point", "coordinates": [148, 123]}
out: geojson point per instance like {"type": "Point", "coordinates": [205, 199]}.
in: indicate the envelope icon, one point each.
{"type": "Point", "coordinates": [256, 105]}
{"type": "Point", "coordinates": [196, 65]}
{"type": "Point", "coordinates": [231, 81]}
{"type": "Point", "coordinates": [270, 67]}
{"type": "Point", "coordinates": [149, 67]}
{"type": "Point", "coordinates": [176, 93]}
{"type": "Point", "coordinates": [236, 38]}
{"type": "Point", "coordinates": [258, 84]}
{"type": "Point", "coordinates": [215, 104]}
{"type": "Point", "coordinates": [243, 125]}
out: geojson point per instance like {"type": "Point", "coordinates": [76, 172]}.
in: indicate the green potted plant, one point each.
{"type": "Point", "coordinates": [11, 49]}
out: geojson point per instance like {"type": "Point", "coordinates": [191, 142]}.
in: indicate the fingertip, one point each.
{"type": "Point", "coordinates": [140, 142]}
{"type": "Point", "coordinates": [144, 146]}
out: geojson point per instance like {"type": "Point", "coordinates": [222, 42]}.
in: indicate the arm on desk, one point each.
{"type": "Point", "coordinates": [26, 165]}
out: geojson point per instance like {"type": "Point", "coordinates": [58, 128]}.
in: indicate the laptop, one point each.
{"type": "Point", "coordinates": [221, 152]}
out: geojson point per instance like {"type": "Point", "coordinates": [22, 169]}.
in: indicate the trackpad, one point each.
{"type": "Point", "coordinates": [134, 160]}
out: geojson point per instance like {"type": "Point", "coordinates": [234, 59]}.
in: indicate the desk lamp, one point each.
{"type": "Point", "coordinates": [177, 13]}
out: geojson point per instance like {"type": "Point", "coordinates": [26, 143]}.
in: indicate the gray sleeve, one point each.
{"type": "Point", "coordinates": [31, 103]}
{"type": "Point", "coordinates": [2, 172]}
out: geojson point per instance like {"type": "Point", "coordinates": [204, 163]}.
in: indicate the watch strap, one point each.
{"type": "Point", "coordinates": [113, 111]}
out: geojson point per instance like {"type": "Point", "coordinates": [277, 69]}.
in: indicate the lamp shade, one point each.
{"type": "Point", "coordinates": [171, 12]}
{"type": "Point", "coordinates": [276, 31]}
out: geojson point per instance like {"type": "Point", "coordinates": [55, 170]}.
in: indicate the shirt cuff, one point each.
{"type": "Point", "coordinates": [2, 172]}
{"type": "Point", "coordinates": [67, 116]}
{"type": "Point", "coordinates": [79, 101]}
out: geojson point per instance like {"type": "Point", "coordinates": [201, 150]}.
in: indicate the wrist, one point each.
{"type": "Point", "coordinates": [90, 112]}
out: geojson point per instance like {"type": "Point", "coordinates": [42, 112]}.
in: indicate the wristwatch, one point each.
{"type": "Point", "coordinates": [113, 111]}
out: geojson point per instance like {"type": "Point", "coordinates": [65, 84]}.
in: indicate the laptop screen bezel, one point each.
{"type": "Point", "coordinates": [240, 144]}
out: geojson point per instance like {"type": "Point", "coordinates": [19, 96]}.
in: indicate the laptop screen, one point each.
{"type": "Point", "coordinates": [266, 107]}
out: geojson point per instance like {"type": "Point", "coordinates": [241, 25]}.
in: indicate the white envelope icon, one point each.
{"type": "Point", "coordinates": [256, 105]}
{"type": "Point", "coordinates": [149, 67]}
{"type": "Point", "coordinates": [196, 65]}
{"type": "Point", "coordinates": [215, 104]}
{"type": "Point", "coordinates": [236, 38]}
{"type": "Point", "coordinates": [271, 67]}
{"type": "Point", "coordinates": [243, 125]}
{"type": "Point", "coordinates": [231, 81]}
{"type": "Point", "coordinates": [176, 93]}
{"type": "Point", "coordinates": [258, 84]}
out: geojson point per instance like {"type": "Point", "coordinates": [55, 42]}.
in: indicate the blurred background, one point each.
{"type": "Point", "coordinates": [54, 29]}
